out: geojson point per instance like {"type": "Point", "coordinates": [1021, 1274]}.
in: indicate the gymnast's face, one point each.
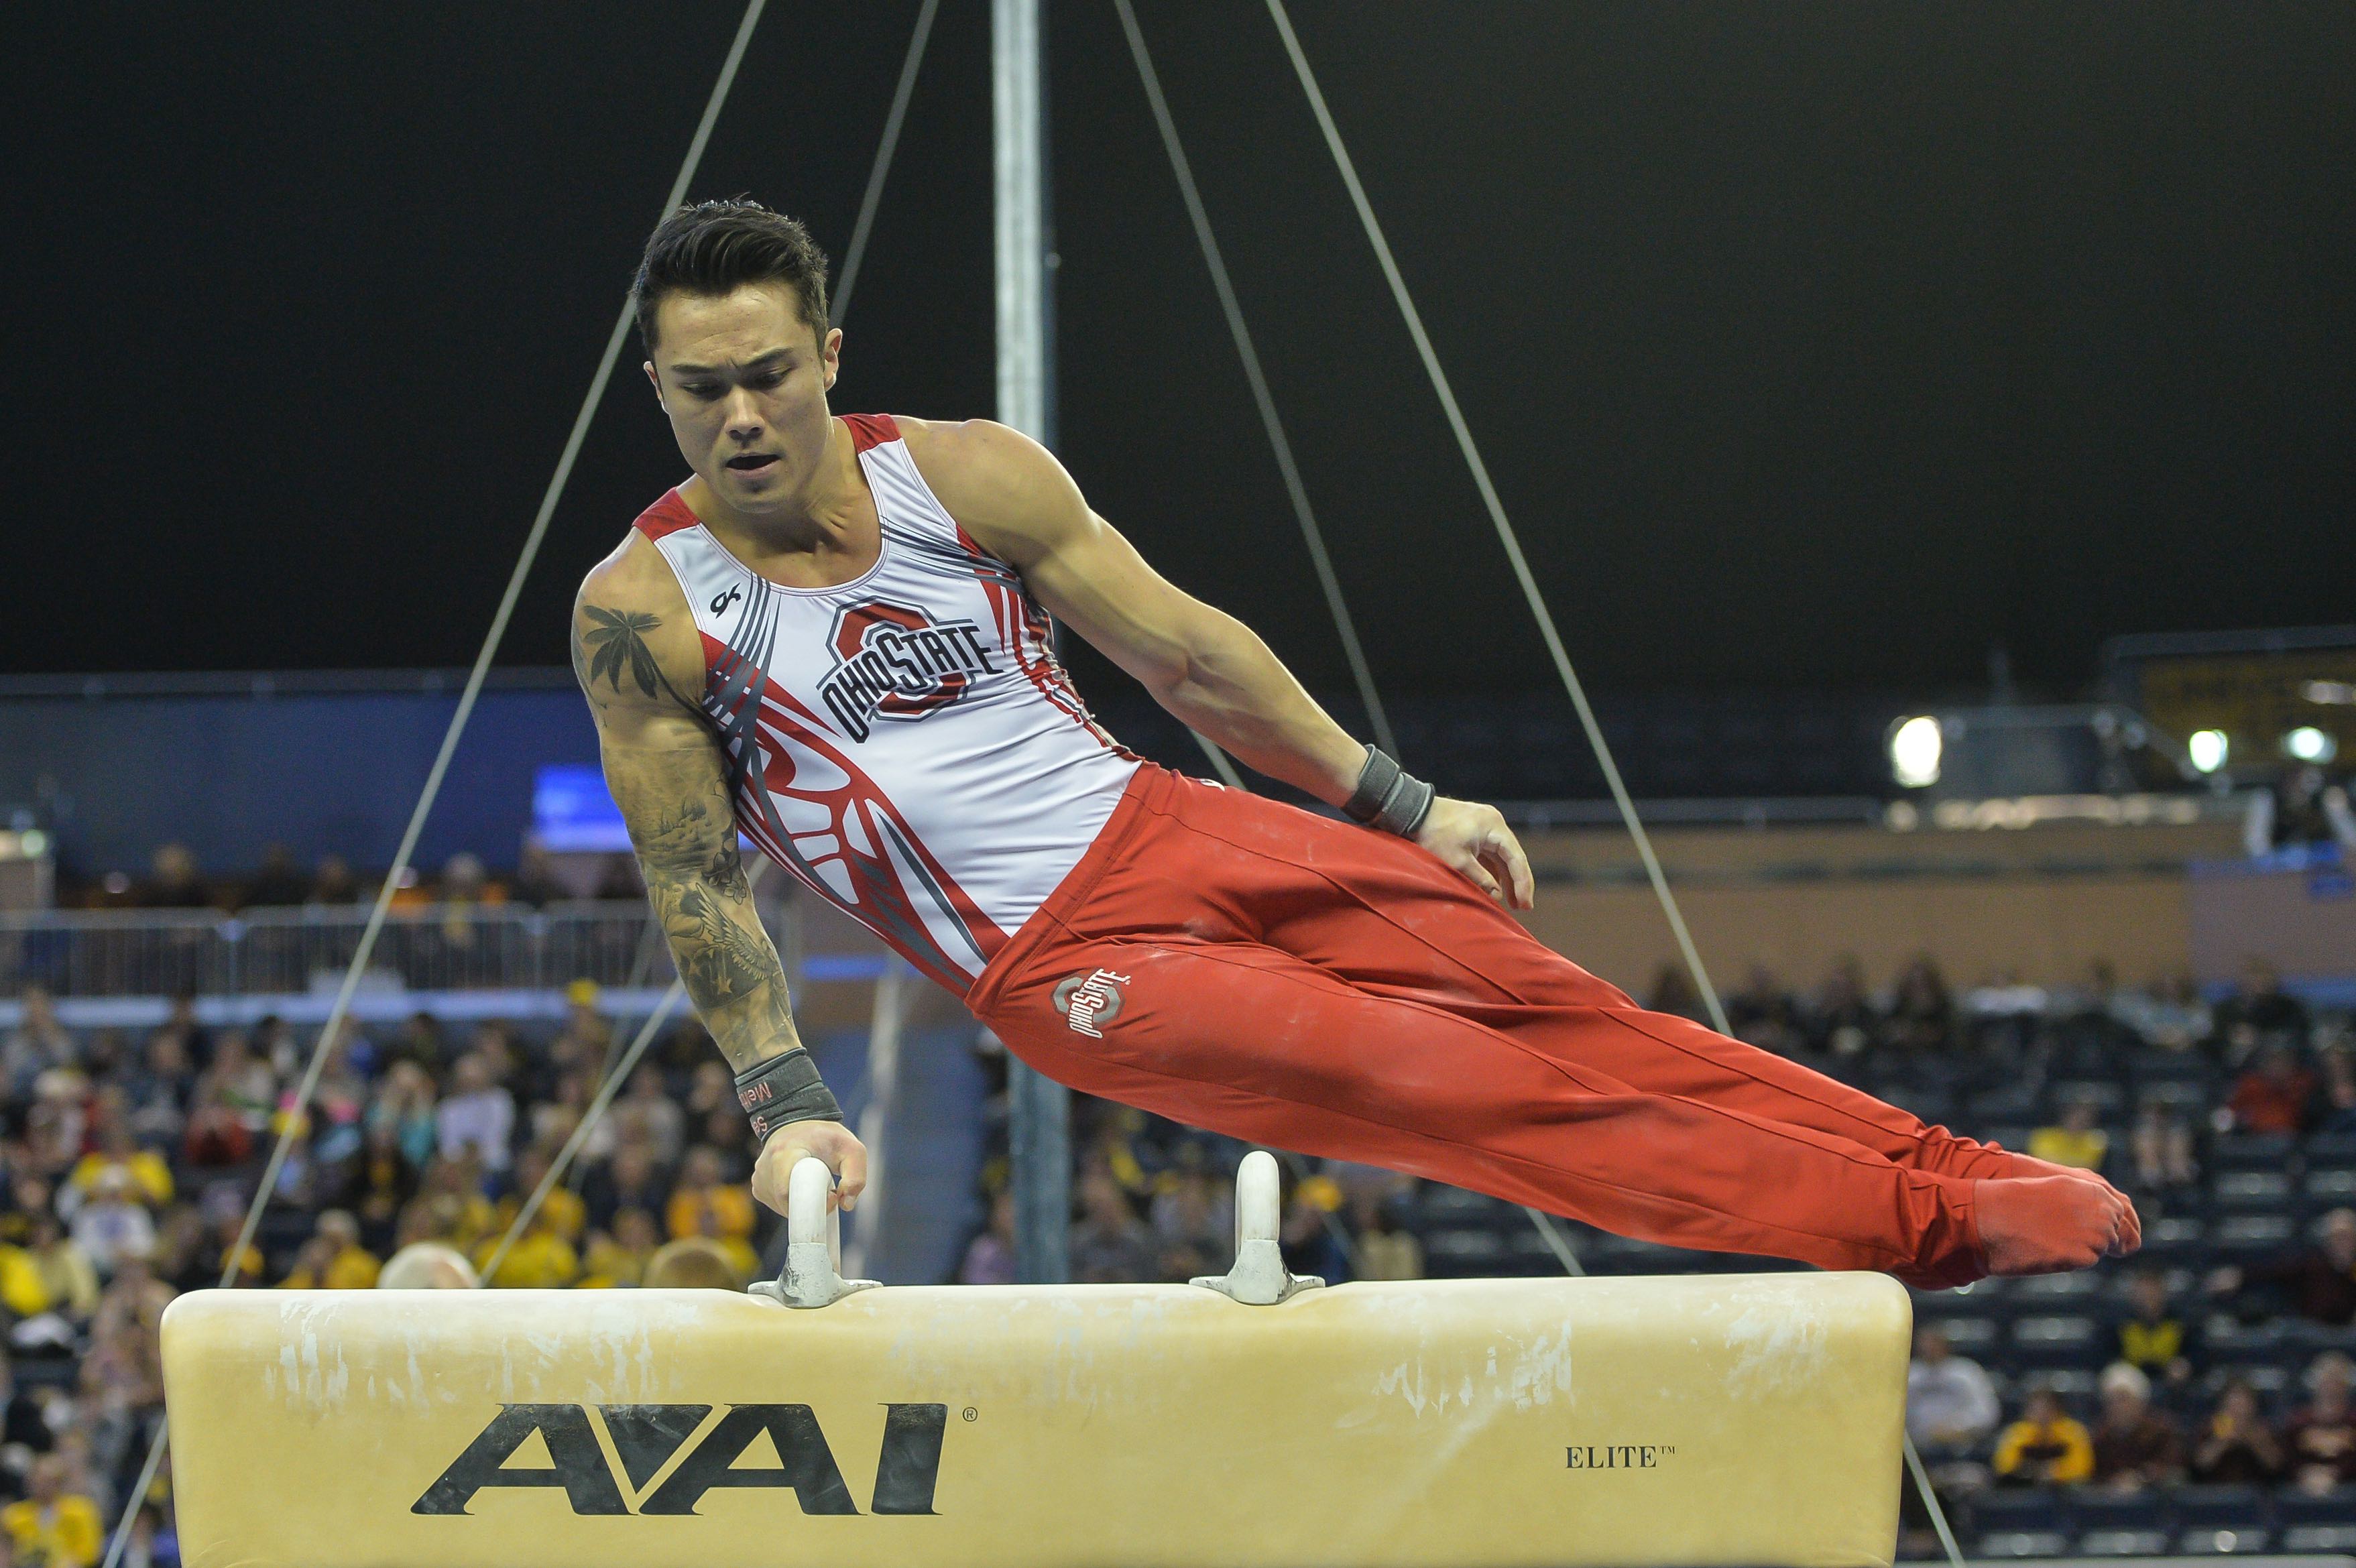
{"type": "Point", "coordinates": [744, 378]}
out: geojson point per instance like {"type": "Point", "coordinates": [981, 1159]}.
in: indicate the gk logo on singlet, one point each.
{"type": "Point", "coordinates": [892, 662]}
{"type": "Point", "coordinates": [1089, 1001]}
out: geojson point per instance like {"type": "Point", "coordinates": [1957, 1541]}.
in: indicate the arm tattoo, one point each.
{"type": "Point", "coordinates": [676, 805]}
{"type": "Point", "coordinates": [615, 645]}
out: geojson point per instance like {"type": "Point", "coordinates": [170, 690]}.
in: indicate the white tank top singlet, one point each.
{"type": "Point", "coordinates": [905, 744]}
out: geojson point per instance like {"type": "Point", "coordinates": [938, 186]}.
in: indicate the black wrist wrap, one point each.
{"type": "Point", "coordinates": [1388, 797]}
{"type": "Point", "coordinates": [782, 1090]}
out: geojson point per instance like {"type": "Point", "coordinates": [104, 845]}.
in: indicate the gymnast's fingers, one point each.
{"type": "Point", "coordinates": [1469, 866]}
{"type": "Point", "coordinates": [1507, 851]}
{"type": "Point", "coordinates": [852, 1172]}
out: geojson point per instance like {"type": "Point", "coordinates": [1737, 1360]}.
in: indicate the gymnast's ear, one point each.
{"type": "Point", "coordinates": [655, 381]}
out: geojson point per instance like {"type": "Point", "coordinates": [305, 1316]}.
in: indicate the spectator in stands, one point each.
{"type": "Point", "coordinates": [2151, 1338]}
{"type": "Point", "coordinates": [2302, 810]}
{"type": "Point", "coordinates": [2163, 1145]}
{"type": "Point", "coordinates": [535, 880]}
{"type": "Point", "coordinates": [422, 1042]}
{"type": "Point", "coordinates": [1951, 1406]}
{"type": "Point", "coordinates": [26, 1429]}
{"type": "Point", "coordinates": [567, 1215]}
{"type": "Point", "coordinates": [1109, 1245]}
{"type": "Point", "coordinates": [540, 1258]}
{"type": "Point", "coordinates": [239, 1082]}
{"type": "Point", "coordinates": [1843, 1016]}
{"type": "Point", "coordinates": [1673, 992]}
{"type": "Point", "coordinates": [2321, 1437]}
{"type": "Point", "coordinates": [2135, 1445]}
{"type": "Point", "coordinates": [1385, 1248]}
{"type": "Point", "coordinates": [1306, 1235]}
{"type": "Point", "coordinates": [333, 884]}
{"type": "Point", "coordinates": [696, 1264]}
{"type": "Point", "coordinates": [1190, 1225]}
{"type": "Point", "coordinates": [1763, 1014]}
{"type": "Point", "coordinates": [38, 1043]}
{"type": "Point", "coordinates": [2277, 1095]}
{"type": "Point", "coordinates": [706, 1203]}
{"type": "Point", "coordinates": [664, 1123]}
{"type": "Point", "coordinates": [334, 1258]}
{"type": "Point", "coordinates": [112, 1224]}
{"type": "Point", "coordinates": [278, 882]}
{"type": "Point", "coordinates": [2079, 1140]}
{"type": "Point", "coordinates": [2337, 1114]}
{"type": "Point", "coordinates": [478, 1115]}
{"type": "Point", "coordinates": [622, 1256]}
{"type": "Point", "coordinates": [2045, 1447]}
{"type": "Point", "coordinates": [2259, 1007]}
{"type": "Point", "coordinates": [403, 1108]}
{"type": "Point", "coordinates": [150, 1178]}
{"type": "Point", "coordinates": [989, 1256]}
{"type": "Point", "coordinates": [427, 1265]}
{"type": "Point", "coordinates": [2235, 1445]}
{"type": "Point", "coordinates": [2316, 1282]}
{"type": "Point", "coordinates": [379, 1182]}
{"type": "Point", "coordinates": [52, 1526]}
{"type": "Point", "coordinates": [172, 880]}
{"type": "Point", "coordinates": [630, 1179]}
{"type": "Point", "coordinates": [224, 1211]}
{"type": "Point", "coordinates": [155, 1093]}
{"type": "Point", "coordinates": [1922, 1013]}
{"type": "Point", "coordinates": [2170, 1017]}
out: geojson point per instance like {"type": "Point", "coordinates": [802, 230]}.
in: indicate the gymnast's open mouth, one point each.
{"type": "Point", "coordinates": [753, 462]}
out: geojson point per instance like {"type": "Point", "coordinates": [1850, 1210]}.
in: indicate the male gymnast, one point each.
{"type": "Point", "coordinates": [834, 639]}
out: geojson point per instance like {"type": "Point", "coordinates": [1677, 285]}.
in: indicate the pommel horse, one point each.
{"type": "Point", "coordinates": [1254, 1420]}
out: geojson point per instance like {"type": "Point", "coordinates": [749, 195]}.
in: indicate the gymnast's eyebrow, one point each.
{"type": "Point", "coordinates": [755, 363]}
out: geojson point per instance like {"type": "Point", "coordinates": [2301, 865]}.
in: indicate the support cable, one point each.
{"type": "Point", "coordinates": [619, 1071]}
{"type": "Point", "coordinates": [857, 252]}
{"type": "Point", "coordinates": [1505, 534]}
{"type": "Point", "coordinates": [1544, 618]}
{"type": "Point", "coordinates": [294, 1117]}
{"type": "Point", "coordinates": [1310, 534]}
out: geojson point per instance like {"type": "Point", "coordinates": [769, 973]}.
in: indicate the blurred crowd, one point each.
{"type": "Point", "coordinates": [173, 880]}
{"type": "Point", "coordinates": [131, 1161]}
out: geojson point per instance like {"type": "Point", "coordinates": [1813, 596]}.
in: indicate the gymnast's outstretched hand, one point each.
{"type": "Point", "coordinates": [830, 1141]}
{"type": "Point", "coordinates": [1474, 840]}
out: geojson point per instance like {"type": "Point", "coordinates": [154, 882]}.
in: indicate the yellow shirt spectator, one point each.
{"type": "Point", "coordinates": [150, 1177]}
{"type": "Point", "coordinates": [2053, 1448]}
{"type": "Point", "coordinates": [2084, 1148]}
{"type": "Point", "coordinates": [541, 1259]}
{"type": "Point", "coordinates": [63, 1533]}
{"type": "Point", "coordinates": [730, 1207]}
{"type": "Point", "coordinates": [561, 1209]}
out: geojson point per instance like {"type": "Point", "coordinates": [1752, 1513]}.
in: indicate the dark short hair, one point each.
{"type": "Point", "coordinates": [714, 248]}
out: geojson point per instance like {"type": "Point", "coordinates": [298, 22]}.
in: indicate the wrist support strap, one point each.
{"type": "Point", "coordinates": [1388, 797]}
{"type": "Point", "coordinates": [782, 1090]}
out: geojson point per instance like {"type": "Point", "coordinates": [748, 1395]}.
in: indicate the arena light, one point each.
{"type": "Point", "coordinates": [2208, 749]}
{"type": "Point", "coordinates": [1914, 749]}
{"type": "Point", "coordinates": [2310, 744]}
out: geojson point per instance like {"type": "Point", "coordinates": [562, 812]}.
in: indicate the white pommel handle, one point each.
{"type": "Point", "coordinates": [811, 1278]}
{"type": "Point", "coordinates": [1260, 1277]}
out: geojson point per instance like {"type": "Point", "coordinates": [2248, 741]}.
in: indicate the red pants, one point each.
{"type": "Point", "coordinates": [1238, 965]}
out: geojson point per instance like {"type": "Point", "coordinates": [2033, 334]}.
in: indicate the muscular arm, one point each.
{"type": "Point", "coordinates": [636, 655]}
{"type": "Point", "coordinates": [1205, 666]}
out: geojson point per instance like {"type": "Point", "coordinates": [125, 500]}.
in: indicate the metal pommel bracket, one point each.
{"type": "Point", "coordinates": [1260, 1277]}
{"type": "Point", "coordinates": [811, 1278]}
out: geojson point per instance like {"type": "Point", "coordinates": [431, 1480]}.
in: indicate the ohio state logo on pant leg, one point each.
{"type": "Point", "coordinates": [1089, 1001]}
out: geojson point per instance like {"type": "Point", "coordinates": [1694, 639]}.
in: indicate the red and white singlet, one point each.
{"type": "Point", "coordinates": [905, 744]}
